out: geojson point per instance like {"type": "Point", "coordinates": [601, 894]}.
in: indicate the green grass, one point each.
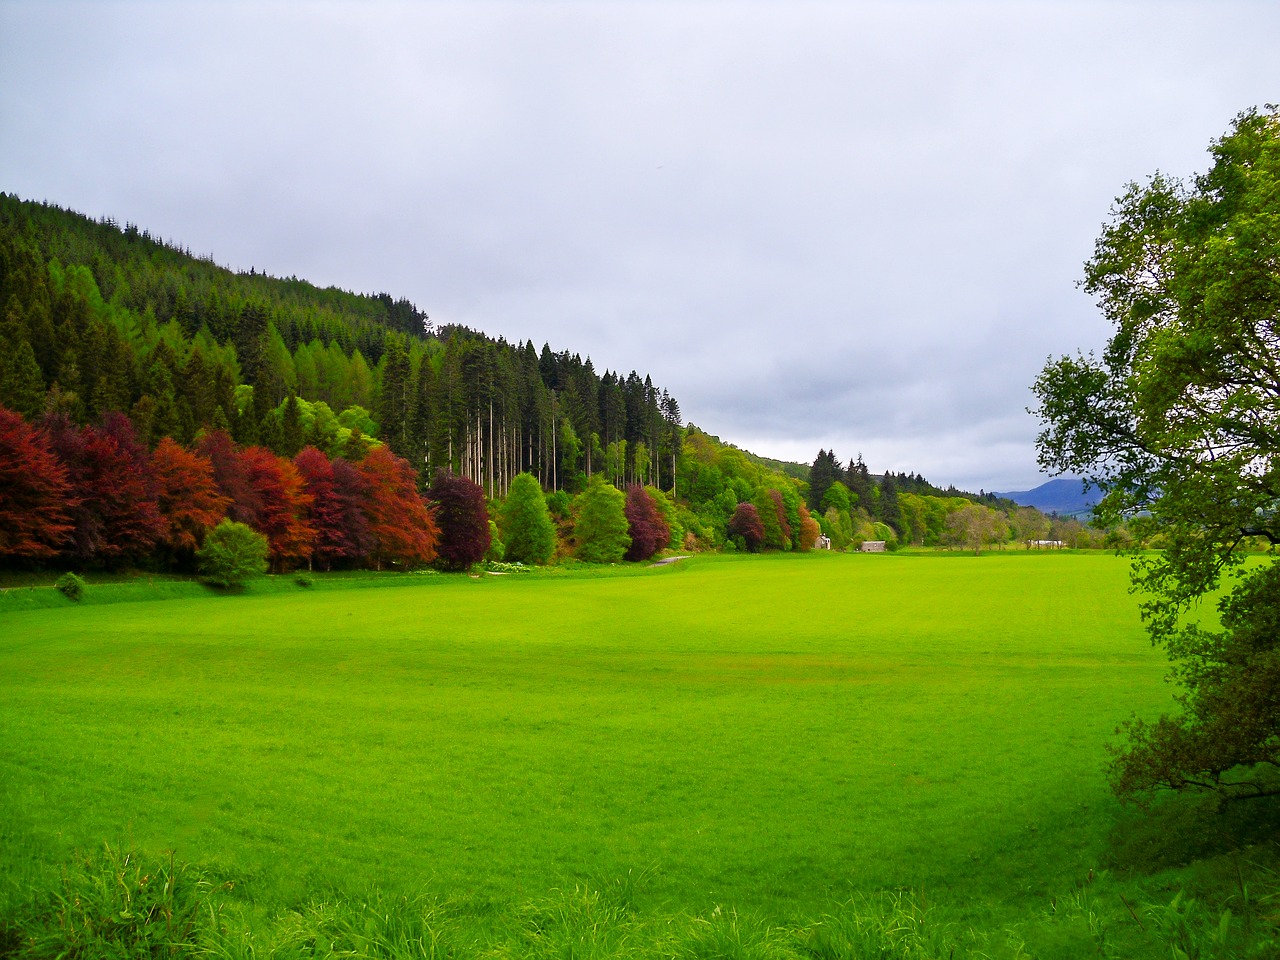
{"type": "Point", "coordinates": [763, 735]}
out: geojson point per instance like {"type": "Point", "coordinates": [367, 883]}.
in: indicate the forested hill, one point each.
{"type": "Point", "coordinates": [133, 375]}
{"type": "Point", "coordinates": [118, 319]}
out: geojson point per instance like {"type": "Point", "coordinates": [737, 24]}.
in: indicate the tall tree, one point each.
{"type": "Point", "coordinates": [186, 495]}
{"type": "Point", "coordinates": [460, 513]}
{"type": "Point", "coordinates": [822, 474]}
{"type": "Point", "coordinates": [401, 527]}
{"type": "Point", "coordinates": [21, 382]}
{"type": "Point", "coordinates": [647, 527]}
{"type": "Point", "coordinates": [36, 497]}
{"type": "Point", "coordinates": [600, 523]}
{"type": "Point", "coordinates": [1180, 419]}
{"type": "Point", "coordinates": [336, 489]}
{"type": "Point", "coordinates": [285, 504]}
{"type": "Point", "coordinates": [747, 525]}
{"type": "Point", "coordinates": [116, 518]}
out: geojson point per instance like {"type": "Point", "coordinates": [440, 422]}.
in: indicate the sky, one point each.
{"type": "Point", "coordinates": [850, 226]}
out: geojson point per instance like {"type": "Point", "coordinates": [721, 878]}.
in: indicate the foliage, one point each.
{"type": "Point", "coordinates": [645, 524]}
{"type": "Point", "coordinates": [232, 554]}
{"type": "Point", "coordinates": [462, 518]}
{"type": "Point", "coordinates": [115, 517]}
{"type": "Point", "coordinates": [70, 586]}
{"type": "Point", "coordinates": [35, 492]}
{"type": "Point", "coordinates": [975, 526]}
{"type": "Point", "coordinates": [497, 549]}
{"type": "Point", "coordinates": [284, 505]}
{"type": "Point", "coordinates": [186, 495]}
{"type": "Point", "coordinates": [746, 523]}
{"type": "Point", "coordinates": [401, 528]}
{"type": "Point", "coordinates": [600, 523]}
{"type": "Point", "coordinates": [1178, 419]}
{"type": "Point", "coordinates": [773, 517]}
{"type": "Point", "coordinates": [810, 530]}
{"type": "Point", "coordinates": [528, 534]}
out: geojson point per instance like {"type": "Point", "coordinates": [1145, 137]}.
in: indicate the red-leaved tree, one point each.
{"type": "Point", "coordinates": [116, 517]}
{"type": "Point", "coordinates": [648, 528]}
{"type": "Point", "coordinates": [187, 496]}
{"type": "Point", "coordinates": [746, 523]}
{"type": "Point", "coordinates": [463, 518]}
{"type": "Point", "coordinates": [400, 525]}
{"type": "Point", "coordinates": [231, 474]}
{"type": "Point", "coordinates": [337, 491]}
{"type": "Point", "coordinates": [35, 493]}
{"type": "Point", "coordinates": [285, 504]}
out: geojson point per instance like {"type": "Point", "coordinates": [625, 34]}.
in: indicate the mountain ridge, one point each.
{"type": "Point", "coordinates": [1066, 496]}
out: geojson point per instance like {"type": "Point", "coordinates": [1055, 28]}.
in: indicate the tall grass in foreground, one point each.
{"type": "Point", "coordinates": [113, 904]}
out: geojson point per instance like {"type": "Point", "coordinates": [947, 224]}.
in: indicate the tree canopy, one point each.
{"type": "Point", "coordinates": [1179, 421]}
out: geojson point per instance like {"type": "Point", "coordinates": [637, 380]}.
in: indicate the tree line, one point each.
{"type": "Point", "coordinates": [108, 329]}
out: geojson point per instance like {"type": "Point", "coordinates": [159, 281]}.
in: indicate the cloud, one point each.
{"type": "Point", "coordinates": [854, 226]}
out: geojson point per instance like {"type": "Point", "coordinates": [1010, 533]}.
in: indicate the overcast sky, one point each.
{"type": "Point", "coordinates": [855, 226]}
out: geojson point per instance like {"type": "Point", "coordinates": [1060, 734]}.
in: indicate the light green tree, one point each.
{"type": "Point", "coordinates": [232, 553]}
{"type": "Point", "coordinates": [527, 530]}
{"type": "Point", "coordinates": [600, 527]}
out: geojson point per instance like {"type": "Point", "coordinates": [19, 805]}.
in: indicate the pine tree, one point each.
{"type": "Point", "coordinates": [21, 382]}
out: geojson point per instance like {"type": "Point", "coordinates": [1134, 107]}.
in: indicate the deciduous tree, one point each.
{"type": "Point", "coordinates": [1180, 419]}
{"type": "Point", "coordinates": [746, 523]}
{"type": "Point", "coordinates": [186, 495]}
{"type": "Point", "coordinates": [35, 493]}
{"type": "Point", "coordinates": [232, 554]}
{"type": "Point", "coordinates": [400, 525]}
{"type": "Point", "coordinates": [460, 513]}
{"type": "Point", "coordinates": [600, 522]}
{"type": "Point", "coordinates": [648, 530]}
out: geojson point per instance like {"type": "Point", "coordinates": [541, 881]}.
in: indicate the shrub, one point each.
{"type": "Point", "coordinates": [232, 553]}
{"type": "Point", "coordinates": [70, 586]}
{"type": "Point", "coordinates": [302, 580]}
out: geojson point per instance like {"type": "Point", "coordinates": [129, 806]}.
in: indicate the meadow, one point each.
{"type": "Point", "coordinates": [753, 741]}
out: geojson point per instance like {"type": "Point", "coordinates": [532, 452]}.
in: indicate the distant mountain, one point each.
{"type": "Point", "coordinates": [1064, 496]}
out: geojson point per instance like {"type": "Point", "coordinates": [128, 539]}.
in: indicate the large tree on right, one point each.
{"type": "Point", "coordinates": [1178, 423]}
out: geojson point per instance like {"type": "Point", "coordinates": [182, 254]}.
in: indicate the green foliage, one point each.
{"type": "Point", "coordinates": [1178, 419]}
{"type": "Point", "coordinates": [600, 523]}
{"type": "Point", "coordinates": [526, 525]}
{"type": "Point", "coordinates": [232, 555]}
{"type": "Point", "coordinates": [837, 496]}
{"type": "Point", "coordinates": [886, 533]}
{"type": "Point", "coordinates": [71, 586]}
{"type": "Point", "coordinates": [497, 549]}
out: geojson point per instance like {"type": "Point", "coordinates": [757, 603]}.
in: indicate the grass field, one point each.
{"type": "Point", "coordinates": [763, 735]}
